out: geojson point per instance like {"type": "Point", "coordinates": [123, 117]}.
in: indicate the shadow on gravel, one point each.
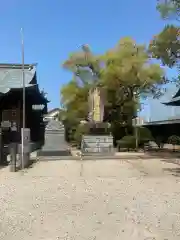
{"type": "Point", "coordinates": [3, 166]}
{"type": "Point", "coordinates": [30, 165]}
{"type": "Point", "coordinates": [164, 153]}
{"type": "Point", "coordinates": [174, 171]}
{"type": "Point", "coordinates": [172, 160]}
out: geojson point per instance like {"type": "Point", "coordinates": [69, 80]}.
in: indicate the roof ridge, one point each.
{"type": "Point", "coordinates": [52, 110]}
{"type": "Point", "coordinates": [16, 65]}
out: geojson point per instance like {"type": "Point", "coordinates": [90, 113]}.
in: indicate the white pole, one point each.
{"type": "Point", "coordinates": [24, 96]}
{"type": "Point", "coordinates": [173, 112]}
{"type": "Point", "coordinates": [149, 109]}
{"type": "Point", "coordinates": [135, 126]}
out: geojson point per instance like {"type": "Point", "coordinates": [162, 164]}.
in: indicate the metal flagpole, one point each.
{"type": "Point", "coordinates": [24, 96]}
{"type": "Point", "coordinates": [173, 109]}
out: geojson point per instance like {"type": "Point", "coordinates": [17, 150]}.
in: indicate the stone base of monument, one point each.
{"type": "Point", "coordinates": [99, 128]}
{"type": "Point", "coordinates": [55, 144]}
{"type": "Point", "coordinates": [97, 145]}
{"type": "Point", "coordinates": [49, 153]}
{"type": "Point", "coordinates": [99, 141]}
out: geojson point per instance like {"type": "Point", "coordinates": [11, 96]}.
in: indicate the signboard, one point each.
{"type": "Point", "coordinates": [26, 134]}
{"type": "Point", "coordinates": [38, 107]}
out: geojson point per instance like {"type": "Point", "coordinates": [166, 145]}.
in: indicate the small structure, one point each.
{"type": "Point", "coordinates": [55, 144]}
{"type": "Point", "coordinates": [11, 102]}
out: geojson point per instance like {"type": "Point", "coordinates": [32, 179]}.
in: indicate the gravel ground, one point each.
{"type": "Point", "coordinates": [103, 200]}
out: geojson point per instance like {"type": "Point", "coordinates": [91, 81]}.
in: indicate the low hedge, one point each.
{"type": "Point", "coordinates": [129, 142]}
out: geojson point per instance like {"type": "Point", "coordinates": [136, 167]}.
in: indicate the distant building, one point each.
{"type": "Point", "coordinates": [52, 115]}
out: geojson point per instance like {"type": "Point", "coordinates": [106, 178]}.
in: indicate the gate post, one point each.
{"type": "Point", "coordinates": [3, 152]}
{"type": "Point", "coordinates": [1, 147]}
{"type": "Point", "coordinates": [13, 154]}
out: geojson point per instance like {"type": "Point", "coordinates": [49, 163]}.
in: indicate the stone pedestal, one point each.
{"type": "Point", "coordinates": [99, 140]}
{"type": "Point", "coordinates": [97, 144]}
{"type": "Point", "coordinates": [55, 144]}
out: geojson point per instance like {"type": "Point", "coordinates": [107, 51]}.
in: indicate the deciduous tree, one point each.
{"type": "Point", "coordinates": [129, 72]}
{"type": "Point", "coordinates": [74, 95]}
{"type": "Point", "coordinates": [128, 75]}
{"type": "Point", "coordinates": [169, 8]}
{"type": "Point", "coordinates": [166, 46]}
{"type": "Point", "coordinates": [124, 73]}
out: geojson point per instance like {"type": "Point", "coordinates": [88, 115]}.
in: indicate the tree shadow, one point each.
{"type": "Point", "coordinates": [4, 161]}
{"type": "Point", "coordinates": [163, 153]}
{"type": "Point", "coordinates": [30, 164]}
{"type": "Point", "coordinates": [174, 171]}
{"type": "Point", "coordinates": [3, 166]}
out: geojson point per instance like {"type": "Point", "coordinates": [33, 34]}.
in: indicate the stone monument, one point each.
{"type": "Point", "coordinates": [55, 144]}
{"type": "Point", "coordinates": [96, 105]}
{"type": "Point", "coordinates": [88, 69]}
{"type": "Point", "coordinates": [99, 139]}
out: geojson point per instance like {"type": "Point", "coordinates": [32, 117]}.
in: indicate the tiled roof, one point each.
{"type": "Point", "coordinates": [11, 76]}
{"type": "Point", "coordinates": [177, 94]}
{"type": "Point", "coordinates": [169, 121]}
{"type": "Point", "coordinates": [175, 101]}
{"type": "Point", "coordinates": [53, 112]}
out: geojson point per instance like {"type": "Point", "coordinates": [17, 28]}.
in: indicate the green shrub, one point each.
{"type": "Point", "coordinates": [174, 140]}
{"type": "Point", "coordinates": [159, 141]}
{"type": "Point", "coordinates": [128, 142]}
{"type": "Point", "coordinates": [81, 130]}
{"type": "Point", "coordinates": [144, 135]}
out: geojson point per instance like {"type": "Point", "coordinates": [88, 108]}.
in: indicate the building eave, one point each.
{"type": "Point", "coordinates": [175, 101]}
{"type": "Point", "coordinates": [11, 76]}
{"type": "Point", "coordinates": [16, 65]}
{"type": "Point", "coordinates": [177, 94]}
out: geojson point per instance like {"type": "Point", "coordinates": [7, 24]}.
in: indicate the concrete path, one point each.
{"type": "Point", "coordinates": [103, 200]}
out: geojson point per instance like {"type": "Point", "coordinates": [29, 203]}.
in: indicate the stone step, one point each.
{"type": "Point", "coordinates": [52, 131]}
{"type": "Point", "coordinates": [98, 158]}
{"type": "Point", "coordinates": [57, 158]}
{"type": "Point", "coordinates": [97, 136]}
{"type": "Point", "coordinates": [99, 151]}
{"type": "Point", "coordinates": [94, 156]}
{"type": "Point", "coordinates": [57, 153]}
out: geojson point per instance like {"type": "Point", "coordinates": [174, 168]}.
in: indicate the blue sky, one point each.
{"type": "Point", "coordinates": [53, 29]}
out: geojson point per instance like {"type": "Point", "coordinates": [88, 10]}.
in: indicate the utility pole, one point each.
{"type": "Point", "coordinates": [135, 122]}
{"type": "Point", "coordinates": [24, 99]}
{"type": "Point", "coordinates": [173, 111]}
